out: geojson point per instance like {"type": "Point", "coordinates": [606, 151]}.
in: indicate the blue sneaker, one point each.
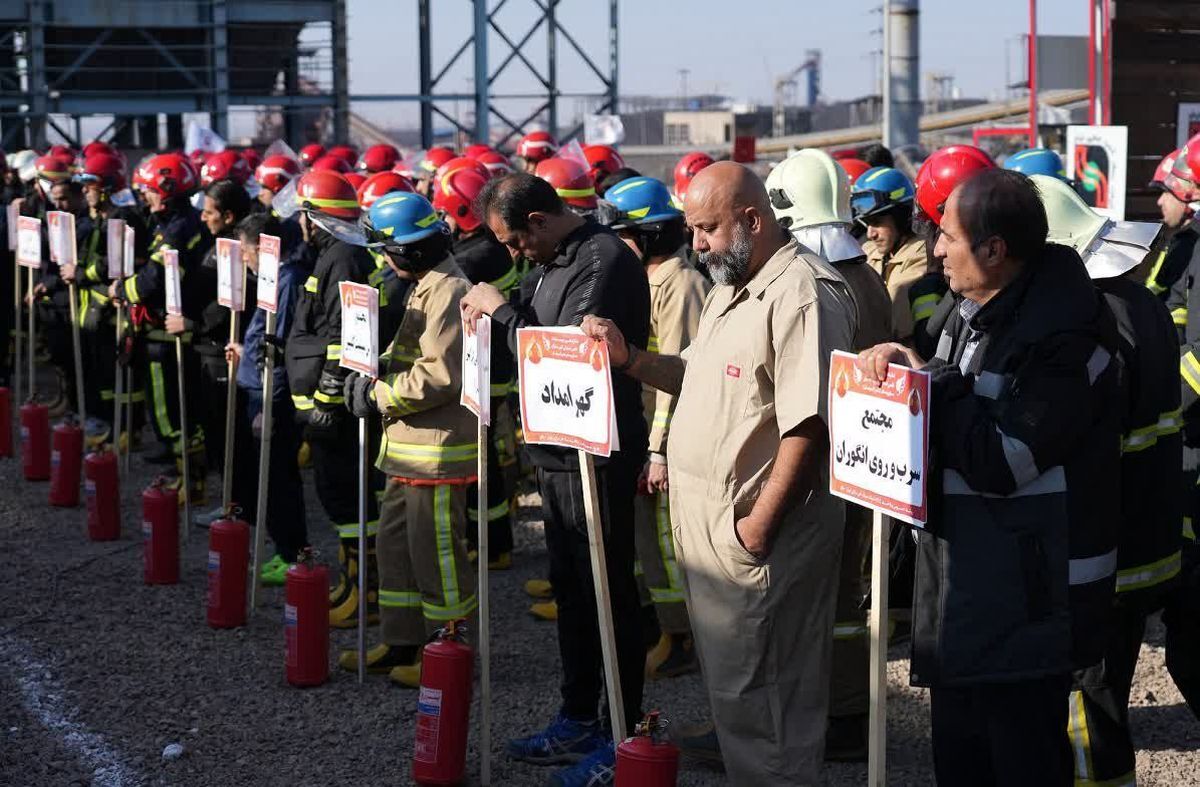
{"type": "Point", "coordinates": [564, 741]}
{"type": "Point", "coordinates": [598, 769]}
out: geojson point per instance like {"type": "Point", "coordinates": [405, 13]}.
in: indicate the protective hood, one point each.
{"type": "Point", "coordinates": [1108, 248]}
{"type": "Point", "coordinates": [831, 242]}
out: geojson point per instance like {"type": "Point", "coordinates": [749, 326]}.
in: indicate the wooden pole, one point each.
{"type": "Point", "coordinates": [362, 550]}
{"type": "Point", "coordinates": [485, 646]}
{"type": "Point", "coordinates": [119, 387]}
{"type": "Point", "coordinates": [877, 722]}
{"type": "Point", "coordinates": [230, 414]}
{"type": "Point", "coordinates": [73, 304]}
{"type": "Point", "coordinates": [16, 360]}
{"type": "Point", "coordinates": [264, 464]}
{"type": "Point", "coordinates": [184, 436]}
{"type": "Point", "coordinates": [608, 645]}
{"type": "Point", "coordinates": [32, 335]}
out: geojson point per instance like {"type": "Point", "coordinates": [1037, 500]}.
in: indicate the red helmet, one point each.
{"type": "Point", "coordinates": [686, 169]}
{"type": "Point", "coordinates": [346, 153]}
{"type": "Point", "coordinates": [96, 146]}
{"type": "Point", "coordinates": [571, 180]}
{"type": "Point", "coordinates": [942, 172]}
{"type": "Point", "coordinates": [496, 163]}
{"type": "Point", "coordinates": [853, 167]}
{"type": "Point", "coordinates": [473, 151]}
{"type": "Point", "coordinates": [329, 163]}
{"type": "Point", "coordinates": [324, 191]}
{"type": "Point", "coordinates": [356, 179]}
{"type": "Point", "coordinates": [252, 158]}
{"type": "Point", "coordinates": [379, 184]}
{"type": "Point", "coordinates": [64, 153]}
{"type": "Point", "coordinates": [311, 153]}
{"type": "Point", "coordinates": [1181, 180]}
{"type": "Point", "coordinates": [168, 175]}
{"type": "Point", "coordinates": [434, 158]}
{"type": "Point", "coordinates": [276, 172]}
{"type": "Point", "coordinates": [460, 163]}
{"type": "Point", "coordinates": [197, 159]}
{"type": "Point", "coordinates": [1157, 183]}
{"type": "Point", "coordinates": [605, 160]}
{"type": "Point", "coordinates": [52, 168]}
{"type": "Point", "coordinates": [537, 146]}
{"type": "Point", "coordinates": [226, 165]}
{"type": "Point", "coordinates": [455, 196]}
{"type": "Point", "coordinates": [379, 158]}
{"type": "Point", "coordinates": [106, 168]}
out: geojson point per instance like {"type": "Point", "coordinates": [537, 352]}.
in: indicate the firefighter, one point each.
{"type": "Point", "coordinates": [1037, 161]}
{"type": "Point", "coordinates": [685, 170]}
{"type": "Point", "coordinates": [1149, 536]}
{"type": "Point", "coordinates": [1178, 219]}
{"type": "Point", "coordinates": [379, 158]}
{"type": "Point", "coordinates": [654, 229]}
{"type": "Point", "coordinates": [167, 181]}
{"type": "Point", "coordinates": [483, 259]}
{"type": "Point", "coordinates": [102, 178]}
{"type": "Point", "coordinates": [429, 451]}
{"type": "Point", "coordinates": [534, 148]}
{"type": "Point", "coordinates": [604, 161]}
{"type": "Point", "coordinates": [434, 158]}
{"type": "Point", "coordinates": [573, 182]}
{"type": "Point", "coordinates": [327, 207]}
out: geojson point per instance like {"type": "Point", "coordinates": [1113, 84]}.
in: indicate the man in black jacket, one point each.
{"type": "Point", "coordinates": [1015, 572]}
{"type": "Point", "coordinates": [584, 269]}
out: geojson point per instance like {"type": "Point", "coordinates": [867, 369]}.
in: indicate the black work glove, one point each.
{"type": "Point", "coordinates": [272, 346]}
{"type": "Point", "coordinates": [322, 424]}
{"type": "Point", "coordinates": [359, 392]}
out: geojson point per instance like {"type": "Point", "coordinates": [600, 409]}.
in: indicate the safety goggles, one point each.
{"type": "Point", "coordinates": [871, 201]}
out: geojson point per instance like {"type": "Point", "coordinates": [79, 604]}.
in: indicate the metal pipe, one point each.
{"type": "Point", "coordinates": [1033, 60]}
{"type": "Point", "coordinates": [903, 74]}
{"type": "Point", "coordinates": [481, 72]}
{"type": "Point", "coordinates": [425, 69]}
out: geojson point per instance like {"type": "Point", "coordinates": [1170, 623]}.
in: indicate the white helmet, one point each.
{"type": "Point", "coordinates": [24, 162]}
{"type": "Point", "coordinates": [808, 189]}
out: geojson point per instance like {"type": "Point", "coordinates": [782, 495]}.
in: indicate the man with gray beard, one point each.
{"type": "Point", "coordinates": [757, 533]}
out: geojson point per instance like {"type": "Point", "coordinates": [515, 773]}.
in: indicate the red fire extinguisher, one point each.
{"type": "Point", "coordinates": [160, 534]}
{"type": "Point", "coordinates": [444, 708]}
{"type": "Point", "coordinates": [228, 554]}
{"type": "Point", "coordinates": [306, 622]}
{"type": "Point", "coordinates": [66, 458]}
{"type": "Point", "coordinates": [647, 759]}
{"type": "Point", "coordinates": [102, 488]}
{"type": "Point", "coordinates": [35, 441]}
{"type": "Point", "coordinates": [5, 422]}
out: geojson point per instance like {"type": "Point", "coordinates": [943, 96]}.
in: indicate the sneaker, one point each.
{"type": "Point", "coordinates": [544, 610]}
{"type": "Point", "coordinates": [274, 573]}
{"type": "Point", "coordinates": [700, 743]}
{"type": "Point", "coordinates": [597, 769]}
{"type": "Point", "coordinates": [564, 741]}
{"type": "Point", "coordinates": [539, 588]}
{"type": "Point", "coordinates": [674, 655]}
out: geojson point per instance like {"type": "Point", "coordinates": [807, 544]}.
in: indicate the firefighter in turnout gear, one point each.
{"type": "Point", "coordinates": [1149, 536]}
{"type": "Point", "coordinates": [429, 452]}
{"type": "Point", "coordinates": [654, 229]}
{"type": "Point", "coordinates": [482, 258]}
{"type": "Point", "coordinates": [328, 208]}
{"type": "Point", "coordinates": [167, 182]}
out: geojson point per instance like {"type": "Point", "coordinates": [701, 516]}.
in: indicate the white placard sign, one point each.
{"type": "Point", "coordinates": [268, 273]}
{"type": "Point", "coordinates": [127, 258]}
{"type": "Point", "coordinates": [53, 233]}
{"type": "Point", "coordinates": [14, 214]}
{"type": "Point", "coordinates": [173, 293]}
{"type": "Point", "coordinates": [115, 237]}
{"type": "Point", "coordinates": [230, 292]}
{"type": "Point", "coordinates": [29, 242]}
{"type": "Point", "coordinates": [477, 370]}
{"type": "Point", "coordinates": [1097, 158]}
{"type": "Point", "coordinates": [566, 390]}
{"type": "Point", "coordinates": [360, 327]}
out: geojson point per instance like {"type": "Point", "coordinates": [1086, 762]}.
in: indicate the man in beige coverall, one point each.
{"type": "Point", "coordinates": [757, 532]}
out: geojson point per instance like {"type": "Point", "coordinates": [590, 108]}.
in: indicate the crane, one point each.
{"type": "Point", "coordinates": [785, 89]}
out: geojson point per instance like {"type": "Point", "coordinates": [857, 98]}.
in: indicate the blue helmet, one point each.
{"type": "Point", "coordinates": [880, 189]}
{"type": "Point", "coordinates": [1036, 161]}
{"type": "Point", "coordinates": [400, 218]}
{"type": "Point", "coordinates": [642, 201]}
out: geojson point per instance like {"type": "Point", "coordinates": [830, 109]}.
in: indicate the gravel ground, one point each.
{"type": "Point", "coordinates": [98, 673]}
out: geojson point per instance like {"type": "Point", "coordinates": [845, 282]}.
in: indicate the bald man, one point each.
{"type": "Point", "coordinates": [757, 533]}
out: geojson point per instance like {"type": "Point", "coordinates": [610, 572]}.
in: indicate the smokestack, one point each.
{"type": "Point", "coordinates": [903, 68]}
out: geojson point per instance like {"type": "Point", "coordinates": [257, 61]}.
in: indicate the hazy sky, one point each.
{"type": "Point", "coordinates": [733, 47]}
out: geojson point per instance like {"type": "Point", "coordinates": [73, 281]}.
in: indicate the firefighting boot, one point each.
{"type": "Point", "coordinates": [382, 658]}
{"type": "Point", "coordinates": [347, 572]}
{"type": "Point", "coordinates": [672, 656]}
{"type": "Point", "coordinates": [539, 588]}
{"type": "Point", "coordinates": [544, 610]}
{"type": "Point", "coordinates": [304, 455]}
{"type": "Point", "coordinates": [58, 406]}
{"type": "Point", "coordinates": [345, 615]}
{"type": "Point", "coordinates": [197, 470]}
{"type": "Point", "coordinates": [407, 675]}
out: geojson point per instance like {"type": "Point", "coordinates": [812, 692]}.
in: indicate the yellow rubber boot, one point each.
{"type": "Point", "coordinates": [544, 610]}
{"type": "Point", "coordinates": [539, 588]}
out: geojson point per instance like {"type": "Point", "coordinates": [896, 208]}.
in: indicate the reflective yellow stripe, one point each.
{"type": "Point", "coordinates": [662, 419]}
{"type": "Point", "coordinates": [351, 530]}
{"type": "Point", "coordinates": [673, 592]}
{"type": "Point", "coordinates": [432, 453]}
{"type": "Point", "coordinates": [191, 244]}
{"type": "Point", "coordinates": [302, 402]}
{"type": "Point", "coordinates": [333, 352]}
{"type": "Point", "coordinates": [498, 511]}
{"type": "Point", "coordinates": [1148, 575]}
{"type": "Point", "coordinates": [924, 307]}
{"type": "Point", "coordinates": [1189, 368]}
{"type": "Point", "coordinates": [450, 611]}
{"type": "Point", "coordinates": [445, 545]}
{"type": "Point", "coordinates": [1179, 316]}
{"type": "Point", "coordinates": [310, 284]}
{"type": "Point", "coordinates": [499, 390]}
{"type": "Point", "coordinates": [506, 282]}
{"type": "Point", "coordinates": [1188, 533]}
{"type": "Point", "coordinates": [329, 203]}
{"type": "Point", "coordinates": [1077, 731]}
{"type": "Point", "coordinates": [570, 193]}
{"type": "Point", "coordinates": [652, 344]}
{"type": "Point", "coordinates": [1140, 439]}
{"type": "Point", "coordinates": [131, 291]}
{"type": "Point", "coordinates": [159, 388]}
{"type": "Point", "coordinates": [406, 599]}
{"type": "Point", "coordinates": [428, 220]}
{"type": "Point", "coordinates": [1152, 279]}
{"type": "Point", "coordinates": [1170, 422]}
{"type": "Point", "coordinates": [325, 398]}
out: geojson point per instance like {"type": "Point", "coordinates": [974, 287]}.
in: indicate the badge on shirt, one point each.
{"type": "Point", "coordinates": [733, 371]}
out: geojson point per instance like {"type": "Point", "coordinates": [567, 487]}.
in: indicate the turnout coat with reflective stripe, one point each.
{"type": "Point", "coordinates": [1014, 578]}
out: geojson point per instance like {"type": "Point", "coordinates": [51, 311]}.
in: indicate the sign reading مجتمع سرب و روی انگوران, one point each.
{"type": "Point", "coordinates": [566, 394]}
{"type": "Point", "coordinates": [879, 439]}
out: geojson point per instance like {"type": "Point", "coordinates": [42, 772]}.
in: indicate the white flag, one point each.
{"type": "Point", "coordinates": [202, 138]}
